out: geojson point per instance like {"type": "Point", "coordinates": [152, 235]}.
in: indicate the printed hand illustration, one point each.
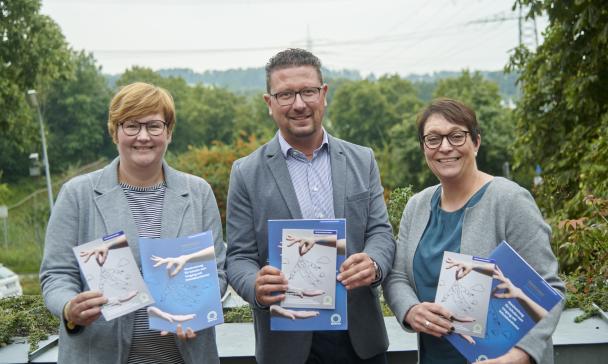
{"type": "Point", "coordinates": [277, 310]}
{"type": "Point", "coordinates": [305, 244]}
{"type": "Point", "coordinates": [468, 338]}
{"type": "Point", "coordinates": [114, 301]}
{"type": "Point", "coordinates": [155, 311]}
{"type": "Point", "coordinates": [179, 262]}
{"type": "Point", "coordinates": [462, 318]}
{"type": "Point", "coordinates": [100, 253]}
{"type": "Point", "coordinates": [179, 331]}
{"type": "Point", "coordinates": [176, 263]}
{"type": "Point", "coordinates": [304, 292]}
{"type": "Point", "coordinates": [509, 290]}
{"type": "Point", "coordinates": [462, 268]}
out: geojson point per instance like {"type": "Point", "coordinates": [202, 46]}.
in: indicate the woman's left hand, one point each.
{"type": "Point", "coordinates": [513, 356]}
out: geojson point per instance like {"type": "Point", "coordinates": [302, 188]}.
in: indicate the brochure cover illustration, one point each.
{"type": "Point", "coordinates": [309, 253]}
{"type": "Point", "coordinates": [520, 298]}
{"type": "Point", "coordinates": [108, 266]}
{"type": "Point", "coordinates": [464, 287]}
{"type": "Point", "coordinates": [182, 276]}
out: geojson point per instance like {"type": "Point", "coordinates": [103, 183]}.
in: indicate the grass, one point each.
{"type": "Point", "coordinates": [30, 283]}
{"type": "Point", "coordinates": [22, 259]}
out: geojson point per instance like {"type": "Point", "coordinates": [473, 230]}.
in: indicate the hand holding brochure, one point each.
{"type": "Point", "coordinates": [108, 266]}
{"type": "Point", "coordinates": [465, 284]}
{"type": "Point", "coordinates": [309, 253]}
{"type": "Point", "coordinates": [182, 276]}
{"type": "Point", "coordinates": [520, 298]}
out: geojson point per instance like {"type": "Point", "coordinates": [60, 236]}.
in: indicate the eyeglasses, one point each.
{"type": "Point", "coordinates": [153, 127]}
{"type": "Point", "coordinates": [308, 94]}
{"type": "Point", "coordinates": [456, 139]}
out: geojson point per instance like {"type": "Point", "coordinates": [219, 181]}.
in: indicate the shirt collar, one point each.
{"type": "Point", "coordinates": [285, 147]}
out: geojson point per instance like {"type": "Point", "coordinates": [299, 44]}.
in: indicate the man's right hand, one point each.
{"type": "Point", "coordinates": [267, 281]}
{"type": "Point", "coordinates": [85, 308]}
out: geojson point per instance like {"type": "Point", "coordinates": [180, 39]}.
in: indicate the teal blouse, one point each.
{"type": "Point", "coordinates": [443, 232]}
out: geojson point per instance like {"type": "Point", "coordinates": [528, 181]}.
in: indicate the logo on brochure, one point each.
{"type": "Point", "coordinates": [482, 358]}
{"type": "Point", "coordinates": [211, 316]}
{"type": "Point", "coordinates": [143, 297]}
{"type": "Point", "coordinates": [327, 300]}
{"type": "Point", "coordinates": [477, 329]}
{"type": "Point", "coordinates": [336, 319]}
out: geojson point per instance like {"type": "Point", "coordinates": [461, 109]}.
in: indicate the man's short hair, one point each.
{"type": "Point", "coordinates": [292, 57]}
{"type": "Point", "coordinates": [138, 100]}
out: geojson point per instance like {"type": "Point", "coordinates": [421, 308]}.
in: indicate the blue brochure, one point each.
{"type": "Point", "coordinates": [309, 253]}
{"type": "Point", "coordinates": [182, 276]}
{"type": "Point", "coordinates": [514, 307]}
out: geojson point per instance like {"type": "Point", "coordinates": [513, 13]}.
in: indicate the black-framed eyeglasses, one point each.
{"type": "Point", "coordinates": [153, 127]}
{"type": "Point", "coordinates": [308, 94]}
{"type": "Point", "coordinates": [456, 139]}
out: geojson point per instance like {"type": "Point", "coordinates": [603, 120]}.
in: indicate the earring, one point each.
{"type": "Point", "coordinates": [476, 153]}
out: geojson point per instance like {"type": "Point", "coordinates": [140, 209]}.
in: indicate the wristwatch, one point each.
{"type": "Point", "coordinates": [378, 275]}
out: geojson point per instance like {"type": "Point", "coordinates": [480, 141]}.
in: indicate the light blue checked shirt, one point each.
{"type": "Point", "coordinates": [311, 179]}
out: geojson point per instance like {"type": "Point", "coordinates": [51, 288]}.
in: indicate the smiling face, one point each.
{"type": "Point", "coordinates": [142, 152]}
{"type": "Point", "coordinates": [300, 122]}
{"type": "Point", "coordinates": [447, 162]}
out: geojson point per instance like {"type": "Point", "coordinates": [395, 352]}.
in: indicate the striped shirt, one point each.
{"type": "Point", "coordinates": [311, 179]}
{"type": "Point", "coordinates": [147, 346]}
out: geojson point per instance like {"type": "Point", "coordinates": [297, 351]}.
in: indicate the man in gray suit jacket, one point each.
{"type": "Point", "coordinates": [305, 173]}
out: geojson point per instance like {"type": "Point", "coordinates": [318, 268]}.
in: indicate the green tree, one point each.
{"type": "Point", "coordinates": [77, 115]}
{"type": "Point", "coordinates": [253, 119]}
{"type": "Point", "coordinates": [364, 111]}
{"type": "Point", "coordinates": [562, 117]}
{"type": "Point", "coordinates": [33, 52]}
{"type": "Point", "coordinates": [562, 124]}
{"type": "Point", "coordinates": [208, 115]}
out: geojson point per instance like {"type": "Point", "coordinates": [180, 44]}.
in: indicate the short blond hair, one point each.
{"type": "Point", "coordinates": [137, 100]}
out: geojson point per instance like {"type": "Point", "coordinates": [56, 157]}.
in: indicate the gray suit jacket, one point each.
{"type": "Point", "coordinates": [94, 205]}
{"type": "Point", "coordinates": [505, 212]}
{"type": "Point", "coordinates": [261, 189]}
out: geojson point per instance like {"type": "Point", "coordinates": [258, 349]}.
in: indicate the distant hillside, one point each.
{"type": "Point", "coordinates": [248, 80]}
{"type": "Point", "coordinates": [243, 79]}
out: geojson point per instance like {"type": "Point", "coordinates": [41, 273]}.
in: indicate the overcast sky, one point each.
{"type": "Point", "coordinates": [379, 36]}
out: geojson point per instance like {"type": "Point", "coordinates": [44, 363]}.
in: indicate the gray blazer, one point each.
{"type": "Point", "coordinates": [505, 212]}
{"type": "Point", "coordinates": [261, 189]}
{"type": "Point", "coordinates": [94, 205]}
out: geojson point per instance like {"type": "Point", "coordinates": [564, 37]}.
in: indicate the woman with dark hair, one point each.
{"type": "Point", "coordinates": [469, 212]}
{"type": "Point", "coordinates": [140, 194]}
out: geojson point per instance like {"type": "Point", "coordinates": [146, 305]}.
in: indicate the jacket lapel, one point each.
{"type": "Point", "coordinates": [338, 175]}
{"type": "Point", "coordinates": [278, 168]}
{"type": "Point", "coordinates": [175, 204]}
{"type": "Point", "coordinates": [114, 208]}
